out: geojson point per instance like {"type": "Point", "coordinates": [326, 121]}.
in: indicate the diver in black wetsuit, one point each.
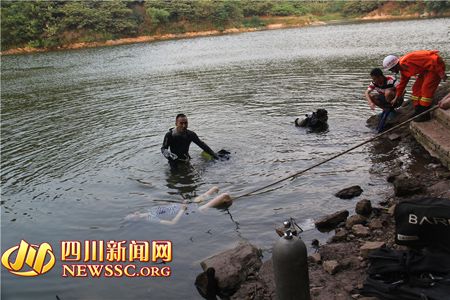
{"type": "Point", "coordinates": [178, 139]}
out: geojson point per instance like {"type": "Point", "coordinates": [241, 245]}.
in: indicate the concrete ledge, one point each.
{"type": "Point", "coordinates": [443, 117]}
{"type": "Point", "coordinates": [435, 138]}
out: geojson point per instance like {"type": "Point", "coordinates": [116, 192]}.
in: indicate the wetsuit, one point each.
{"type": "Point", "coordinates": [179, 143]}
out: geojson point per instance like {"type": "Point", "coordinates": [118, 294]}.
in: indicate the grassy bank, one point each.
{"type": "Point", "coordinates": [35, 26]}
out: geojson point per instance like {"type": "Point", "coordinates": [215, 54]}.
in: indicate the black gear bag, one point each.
{"type": "Point", "coordinates": [423, 223]}
{"type": "Point", "coordinates": [408, 275]}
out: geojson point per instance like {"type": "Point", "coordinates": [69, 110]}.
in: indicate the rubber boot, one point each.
{"type": "Point", "coordinates": [420, 109]}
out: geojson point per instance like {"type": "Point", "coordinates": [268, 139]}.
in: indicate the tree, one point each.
{"type": "Point", "coordinates": [158, 15]}
{"type": "Point", "coordinates": [30, 22]}
{"type": "Point", "coordinates": [227, 12]}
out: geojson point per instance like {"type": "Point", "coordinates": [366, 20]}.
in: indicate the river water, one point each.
{"type": "Point", "coordinates": [82, 131]}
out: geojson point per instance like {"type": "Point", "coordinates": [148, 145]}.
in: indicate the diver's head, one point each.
{"type": "Point", "coordinates": [181, 123]}
{"type": "Point", "coordinates": [322, 114]}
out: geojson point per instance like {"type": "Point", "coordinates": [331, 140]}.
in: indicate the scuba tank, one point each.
{"type": "Point", "coordinates": [290, 265]}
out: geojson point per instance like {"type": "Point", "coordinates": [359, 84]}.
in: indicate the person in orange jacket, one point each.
{"type": "Point", "coordinates": [429, 68]}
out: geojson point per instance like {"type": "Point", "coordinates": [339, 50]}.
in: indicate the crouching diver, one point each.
{"type": "Point", "coordinates": [177, 141]}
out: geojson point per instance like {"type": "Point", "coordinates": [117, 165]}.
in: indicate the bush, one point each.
{"type": "Point", "coordinates": [354, 8]}
{"type": "Point", "coordinates": [283, 9]}
{"type": "Point", "coordinates": [254, 22]}
{"type": "Point", "coordinates": [256, 7]}
{"type": "Point", "coordinates": [158, 16]}
{"type": "Point", "coordinates": [228, 12]}
{"type": "Point", "coordinates": [437, 6]}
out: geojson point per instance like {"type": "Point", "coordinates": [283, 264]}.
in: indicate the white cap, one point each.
{"type": "Point", "coordinates": [389, 62]}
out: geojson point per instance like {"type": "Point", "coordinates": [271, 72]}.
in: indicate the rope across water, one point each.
{"type": "Point", "coordinates": [335, 156]}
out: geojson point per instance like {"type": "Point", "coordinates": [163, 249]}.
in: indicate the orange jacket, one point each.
{"type": "Point", "coordinates": [418, 62]}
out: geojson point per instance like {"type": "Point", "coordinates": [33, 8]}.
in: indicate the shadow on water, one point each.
{"type": "Point", "coordinates": [182, 179]}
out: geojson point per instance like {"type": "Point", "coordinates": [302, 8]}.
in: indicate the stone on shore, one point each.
{"type": "Point", "coordinates": [330, 221]}
{"type": "Point", "coordinates": [252, 289]}
{"type": "Point", "coordinates": [369, 247]}
{"type": "Point", "coordinates": [406, 186]}
{"type": "Point", "coordinates": [340, 235]}
{"type": "Point", "coordinates": [315, 258]}
{"type": "Point", "coordinates": [360, 230]}
{"type": "Point", "coordinates": [348, 193]}
{"type": "Point", "coordinates": [331, 266]}
{"type": "Point", "coordinates": [267, 277]}
{"type": "Point", "coordinates": [394, 136]}
{"type": "Point", "coordinates": [440, 189]}
{"type": "Point", "coordinates": [375, 224]}
{"type": "Point", "coordinates": [363, 207]}
{"type": "Point", "coordinates": [355, 219]}
{"type": "Point", "coordinates": [234, 266]}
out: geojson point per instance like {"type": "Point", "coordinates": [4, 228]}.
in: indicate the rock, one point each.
{"type": "Point", "coordinates": [442, 188]}
{"type": "Point", "coordinates": [363, 207]}
{"type": "Point", "coordinates": [394, 174]}
{"type": "Point", "coordinates": [331, 266]}
{"type": "Point", "coordinates": [250, 290]}
{"type": "Point", "coordinates": [339, 236]}
{"type": "Point", "coordinates": [384, 202]}
{"type": "Point", "coordinates": [406, 186]}
{"type": "Point", "coordinates": [394, 136]}
{"type": "Point", "coordinates": [369, 247]}
{"type": "Point", "coordinates": [315, 258]}
{"type": "Point", "coordinates": [350, 192]}
{"type": "Point", "coordinates": [330, 221]}
{"type": "Point", "coordinates": [267, 278]}
{"type": "Point", "coordinates": [444, 175]}
{"type": "Point", "coordinates": [349, 262]}
{"type": "Point", "coordinates": [360, 230]}
{"type": "Point", "coordinates": [375, 224]}
{"type": "Point", "coordinates": [234, 266]}
{"type": "Point", "coordinates": [206, 284]}
{"type": "Point", "coordinates": [355, 219]}
{"type": "Point", "coordinates": [337, 251]}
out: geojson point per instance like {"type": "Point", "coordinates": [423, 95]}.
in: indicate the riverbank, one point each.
{"type": "Point", "coordinates": [346, 251]}
{"type": "Point", "coordinates": [338, 268]}
{"type": "Point", "coordinates": [275, 23]}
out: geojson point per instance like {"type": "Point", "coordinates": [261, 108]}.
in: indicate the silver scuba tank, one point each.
{"type": "Point", "coordinates": [290, 266]}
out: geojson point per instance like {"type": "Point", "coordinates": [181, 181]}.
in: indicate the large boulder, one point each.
{"type": "Point", "coordinates": [232, 267]}
{"type": "Point", "coordinates": [348, 193]}
{"type": "Point", "coordinates": [363, 207]}
{"type": "Point", "coordinates": [407, 186]}
{"type": "Point", "coordinates": [331, 221]}
{"type": "Point", "coordinates": [355, 219]}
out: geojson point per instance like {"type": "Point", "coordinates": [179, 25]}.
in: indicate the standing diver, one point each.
{"type": "Point", "coordinates": [178, 139]}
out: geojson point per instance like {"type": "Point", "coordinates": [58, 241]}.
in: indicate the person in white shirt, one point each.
{"type": "Point", "coordinates": [381, 91]}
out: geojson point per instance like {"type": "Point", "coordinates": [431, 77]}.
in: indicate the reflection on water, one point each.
{"type": "Point", "coordinates": [183, 177]}
{"type": "Point", "coordinates": [77, 126]}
